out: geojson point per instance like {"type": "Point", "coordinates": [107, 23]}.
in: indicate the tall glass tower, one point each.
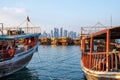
{"type": "Point", "coordinates": [61, 32]}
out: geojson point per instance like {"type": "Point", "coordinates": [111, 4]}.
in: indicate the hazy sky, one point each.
{"type": "Point", "coordinates": [69, 14]}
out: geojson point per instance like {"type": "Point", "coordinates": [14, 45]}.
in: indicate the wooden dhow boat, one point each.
{"type": "Point", "coordinates": [100, 58]}
{"type": "Point", "coordinates": [17, 46]}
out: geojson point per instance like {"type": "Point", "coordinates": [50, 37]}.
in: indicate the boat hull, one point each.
{"type": "Point", "coordinates": [93, 75]}
{"type": "Point", "coordinates": [18, 62]}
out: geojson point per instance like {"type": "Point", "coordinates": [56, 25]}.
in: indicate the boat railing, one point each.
{"type": "Point", "coordinates": [97, 61]}
{"type": "Point", "coordinates": [20, 30]}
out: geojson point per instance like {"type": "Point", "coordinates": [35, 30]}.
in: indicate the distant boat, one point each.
{"type": "Point", "coordinates": [101, 54]}
{"type": "Point", "coordinates": [17, 46]}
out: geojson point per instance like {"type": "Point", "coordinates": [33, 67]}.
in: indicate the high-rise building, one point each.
{"type": "Point", "coordinates": [48, 35]}
{"type": "Point", "coordinates": [61, 32]}
{"type": "Point", "coordinates": [65, 33]}
{"type": "Point", "coordinates": [52, 34]}
{"type": "Point", "coordinates": [74, 35]}
{"type": "Point", "coordinates": [70, 34]}
{"type": "Point", "coordinates": [44, 35]}
{"type": "Point", "coordinates": [56, 33]}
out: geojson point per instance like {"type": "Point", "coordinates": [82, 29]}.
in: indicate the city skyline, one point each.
{"type": "Point", "coordinates": [70, 14]}
{"type": "Point", "coordinates": [59, 32]}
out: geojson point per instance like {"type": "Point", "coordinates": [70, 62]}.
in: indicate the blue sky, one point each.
{"type": "Point", "coordinates": [69, 14]}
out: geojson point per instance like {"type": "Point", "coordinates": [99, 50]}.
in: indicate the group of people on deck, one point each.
{"type": "Point", "coordinates": [113, 47]}
{"type": "Point", "coordinates": [29, 43]}
{"type": "Point", "coordinates": [9, 48]}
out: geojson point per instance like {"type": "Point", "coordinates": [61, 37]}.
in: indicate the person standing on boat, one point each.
{"type": "Point", "coordinates": [114, 46]}
{"type": "Point", "coordinates": [117, 47]}
{"type": "Point", "coordinates": [26, 41]}
{"type": "Point", "coordinates": [10, 49]}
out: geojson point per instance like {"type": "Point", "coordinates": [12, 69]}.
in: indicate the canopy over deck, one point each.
{"type": "Point", "coordinates": [15, 37]}
{"type": "Point", "coordinates": [114, 33]}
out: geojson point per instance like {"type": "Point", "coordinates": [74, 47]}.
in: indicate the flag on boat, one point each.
{"type": "Point", "coordinates": [28, 19]}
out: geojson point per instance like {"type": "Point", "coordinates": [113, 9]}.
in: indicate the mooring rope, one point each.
{"type": "Point", "coordinates": [41, 65]}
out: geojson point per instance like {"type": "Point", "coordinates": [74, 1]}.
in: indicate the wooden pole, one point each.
{"type": "Point", "coordinates": [91, 50]}
{"type": "Point", "coordinates": [91, 44]}
{"type": "Point", "coordinates": [83, 45]}
{"type": "Point", "coordinates": [107, 49]}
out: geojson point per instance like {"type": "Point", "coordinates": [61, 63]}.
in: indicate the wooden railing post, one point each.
{"type": "Point", "coordinates": [91, 50]}
{"type": "Point", "coordinates": [83, 45]}
{"type": "Point", "coordinates": [91, 44]}
{"type": "Point", "coordinates": [107, 49]}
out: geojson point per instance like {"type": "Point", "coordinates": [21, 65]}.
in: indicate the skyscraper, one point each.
{"type": "Point", "coordinates": [52, 34]}
{"type": "Point", "coordinates": [61, 32]}
{"type": "Point", "coordinates": [70, 34]}
{"type": "Point", "coordinates": [44, 35]}
{"type": "Point", "coordinates": [56, 33]}
{"type": "Point", "coordinates": [65, 33]}
{"type": "Point", "coordinates": [74, 35]}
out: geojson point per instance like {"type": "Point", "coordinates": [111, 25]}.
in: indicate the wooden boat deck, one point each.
{"type": "Point", "coordinates": [101, 54]}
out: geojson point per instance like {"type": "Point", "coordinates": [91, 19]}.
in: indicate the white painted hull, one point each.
{"type": "Point", "coordinates": [99, 75]}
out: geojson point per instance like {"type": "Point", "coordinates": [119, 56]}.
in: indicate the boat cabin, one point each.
{"type": "Point", "coordinates": [101, 50]}
{"type": "Point", "coordinates": [13, 43]}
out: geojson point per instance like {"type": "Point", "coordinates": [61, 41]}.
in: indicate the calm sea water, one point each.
{"type": "Point", "coordinates": [52, 63]}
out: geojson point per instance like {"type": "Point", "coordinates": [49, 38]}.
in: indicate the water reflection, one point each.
{"type": "Point", "coordinates": [24, 74]}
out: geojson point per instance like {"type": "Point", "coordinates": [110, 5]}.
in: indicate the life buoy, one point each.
{"type": "Point", "coordinates": [11, 52]}
{"type": "Point", "coordinates": [32, 43]}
